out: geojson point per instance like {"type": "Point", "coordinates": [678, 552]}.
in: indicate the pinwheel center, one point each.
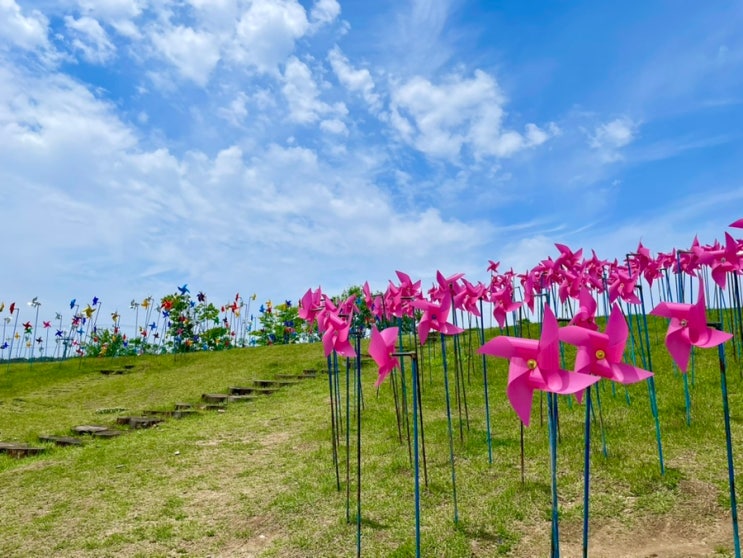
{"type": "Point", "coordinates": [684, 323]}
{"type": "Point", "coordinates": [531, 364]}
{"type": "Point", "coordinates": [600, 355]}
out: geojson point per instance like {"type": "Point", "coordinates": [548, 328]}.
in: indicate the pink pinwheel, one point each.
{"type": "Point", "coordinates": [601, 353]}
{"type": "Point", "coordinates": [398, 298]}
{"type": "Point", "coordinates": [585, 317]}
{"type": "Point", "coordinates": [721, 260]}
{"type": "Point", "coordinates": [688, 327]}
{"type": "Point", "coordinates": [622, 285]}
{"type": "Point", "coordinates": [311, 306]}
{"type": "Point", "coordinates": [381, 347]}
{"type": "Point", "coordinates": [336, 334]}
{"type": "Point", "coordinates": [503, 303]}
{"type": "Point", "coordinates": [593, 271]}
{"type": "Point", "coordinates": [567, 258]}
{"type": "Point", "coordinates": [536, 365]}
{"type": "Point", "coordinates": [468, 297]}
{"type": "Point", "coordinates": [434, 317]}
{"type": "Point", "coordinates": [737, 224]}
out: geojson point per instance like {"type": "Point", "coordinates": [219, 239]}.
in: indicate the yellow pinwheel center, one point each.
{"type": "Point", "coordinates": [531, 364]}
{"type": "Point", "coordinates": [600, 355]}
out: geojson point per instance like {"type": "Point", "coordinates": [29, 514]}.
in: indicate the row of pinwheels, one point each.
{"type": "Point", "coordinates": [569, 285]}
{"type": "Point", "coordinates": [176, 322]}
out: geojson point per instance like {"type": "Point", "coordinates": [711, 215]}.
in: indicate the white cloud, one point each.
{"type": "Point", "coordinates": [119, 14]}
{"type": "Point", "coordinates": [236, 112]}
{"type": "Point", "coordinates": [194, 53]}
{"type": "Point", "coordinates": [91, 39]}
{"type": "Point", "coordinates": [28, 32]}
{"type": "Point", "coordinates": [609, 138]}
{"type": "Point", "coordinates": [266, 32]}
{"type": "Point", "coordinates": [302, 94]}
{"type": "Point", "coordinates": [617, 133]}
{"type": "Point", "coordinates": [441, 120]}
{"type": "Point", "coordinates": [324, 12]}
{"type": "Point", "coordinates": [334, 126]}
{"type": "Point", "coordinates": [357, 81]}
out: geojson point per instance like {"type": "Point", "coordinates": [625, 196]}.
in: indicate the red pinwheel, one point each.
{"type": "Point", "coordinates": [601, 354]}
{"type": "Point", "coordinates": [11, 309]}
{"type": "Point", "coordinates": [28, 327]}
{"type": "Point", "coordinates": [47, 324]}
{"type": "Point", "coordinates": [688, 327]}
{"type": "Point", "coordinates": [381, 347]}
{"type": "Point", "coordinates": [535, 364]}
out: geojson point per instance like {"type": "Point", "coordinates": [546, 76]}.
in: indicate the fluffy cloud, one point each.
{"type": "Point", "coordinates": [356, 81]}
{"type": "Point", "coordinates": [302, 94]}
{"type": "Point", "coordinates": [609, 138]}
{"type": "Point", "coordinates": [23, 31]}
{"type": "Point", "coordinates": [441, 120]}
{"type": "Point", "coordinates": [179, 44]}
{"type": "Point", "coordinates": [266, 33]}
{"type": "Point", "coordinates": [324, 12]}
{"type": "Point", "coordinates": [90, 39]}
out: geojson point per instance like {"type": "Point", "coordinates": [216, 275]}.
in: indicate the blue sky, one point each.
{"type": "Point", "coordinates": [270, 146]}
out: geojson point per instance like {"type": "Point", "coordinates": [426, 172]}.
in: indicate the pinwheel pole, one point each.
{"type": "Point", "coordinates": [12, 339]}
{"type": "Point", "coordinates": [359, 333]}
{"type": "Point", "coordinates": [403, 390]}
{"type": "Point", "coordinates": [35, 304]}
{"type": "Point", "coordinates": [586, 472]}
{"type": "Point", "coordinates": [450, 429]}
{"type": "Point", "coordinates": [416, 457]}
{"type": "Point", "coordinates": [728, 444]}
{"type": "Point", "coordinates": [6, 321]}
{"type": "Point", "coordinates": [485, 387]}
{"type": "Point", "coordinates": [333, 425]}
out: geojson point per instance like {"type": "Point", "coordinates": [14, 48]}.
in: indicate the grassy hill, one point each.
{"type": "Point", "coordinates": [257, 478]}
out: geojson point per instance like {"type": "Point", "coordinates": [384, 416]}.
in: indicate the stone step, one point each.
{"type": "Point", "coordinates": [248, 390]}
{"type": "Point", "coordinates": [242, 398]}
{"type": "Point", "coordinates": [214, 397]}
{"type": "Point", "coordinates": [19, 450]}
{"type": "Point", "coordinates": [158, 413]}
{"type": "Point", "coordinates": [183, 406]}
{"type": "Point", "coordinates": [182, 413]}
{"type": "Point", "coordinates": [309, 372]}
{"type": "Point", "coordinates": [98, 431]}
{"type": "Point", "coordinates": [139, 422]}
{"type": "Point", "coordinates": [274, 383]}
{"type": "Point", "coordinates": [88, 429]}
{"type": "Point", "coordinates": [108, 433]}
{"type": "Point", "coordinates": [215, 407]}
{"type": "Point", "coordinates": [62, 440]}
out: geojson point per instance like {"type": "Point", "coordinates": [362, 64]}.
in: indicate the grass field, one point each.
{"type": "Point", "coordinates": [257, 479]}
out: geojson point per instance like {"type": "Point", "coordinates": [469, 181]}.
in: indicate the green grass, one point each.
{"type": "Point", "coordinates": [258, 479]}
